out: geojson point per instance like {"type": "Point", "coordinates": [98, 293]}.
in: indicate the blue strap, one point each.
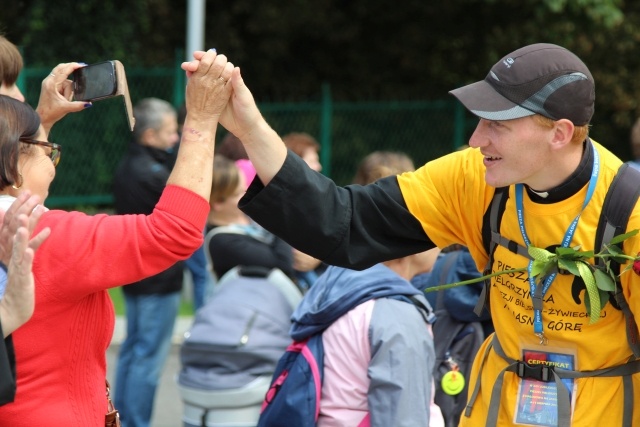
{"type": "Point", "coordinates": [538, 293]}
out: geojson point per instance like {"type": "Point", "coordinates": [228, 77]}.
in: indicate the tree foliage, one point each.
{"type": "Point", "coordinates": [365, 49]}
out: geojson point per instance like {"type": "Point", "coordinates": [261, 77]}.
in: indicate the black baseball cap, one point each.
{"type": "Point", "coordinates": [540, 79]}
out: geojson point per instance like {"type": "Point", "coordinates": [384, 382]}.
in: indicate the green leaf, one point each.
{"type": "Point", "coordinates": [585, 254]}
{"type": "Point", "coordinates": [614, 250]}
{"type": "Point", "coordinates": [592, 291]}
{"type": "Point", "coordinates": [603, 281]}
{"type": "Point", "coordinates": [604, 298]}
{"type": "Point", "coordinates": [619, 259]}
{"type": "Point", "coordinates": [560, 251]}
{"type": "Point", "coordinates": [539, 254]}
{"type": "Point", "coordinates": [622, 237]}
{"type": "Point", "coordinates": [538, 267]}
{"type": "Point", "coordinates": [541, 269]}
{"type": "Point", "coordinates": [548, 268]}
{"type": "Point", "coordinates": [569, 265]}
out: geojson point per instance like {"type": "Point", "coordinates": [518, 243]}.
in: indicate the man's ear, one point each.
{"type": "Point", "coordinates": [562, 133]}
{"type": "Point", "coordinates": [148, 137]}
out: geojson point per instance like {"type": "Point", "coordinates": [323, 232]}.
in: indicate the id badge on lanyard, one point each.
{"type": "Point", "coordinates": [537, 401]}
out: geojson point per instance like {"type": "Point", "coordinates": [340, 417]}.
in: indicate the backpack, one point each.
{"type": "Point", "coordinates": [241, 331]}
{"type": "Point", "coordinates": [293, 399]}
{"type": "Point", "coordinates": [618, 206]}
{"type": "Point", "coordinates": [456, 345]}
{"type": "Point", "coordinates": [252, 230]}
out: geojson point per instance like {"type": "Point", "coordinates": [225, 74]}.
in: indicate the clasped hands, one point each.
{"type": "Point", "coordinates": [217, 88]}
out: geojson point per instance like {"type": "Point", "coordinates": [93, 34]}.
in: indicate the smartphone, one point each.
{"type": "Point", "coordinates": [95, 81]}
{"type": "Point", "coordinates": [103, 80]}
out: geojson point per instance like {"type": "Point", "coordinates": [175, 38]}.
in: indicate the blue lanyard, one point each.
{"type": "Point", "coordinates": [537, 294]}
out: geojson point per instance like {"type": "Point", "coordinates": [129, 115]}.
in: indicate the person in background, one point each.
{"type": "Point", "coordinates": [361, 375]}
{"type": "Point", "coordinates": [247, 170]}
{"type": "Point", "coordinates": [254, 246]}
{"type": "Point", "coordinates": [635, 144]}
{"type": "Point", "coordinates": [56, 93]}
{"type": "Point", "coordinates": [379, 164]}
{"type": "Point", "coordinates": [461, 300]}
{"type": "Point", "coordinates": [17, 293]}
{"type": "Point", "coordinates": [61, 350]}
{"type": "Point", "coordinates": [305, 146]}
{"type": "Point", "coordinates": [383, 163]}
{"type": "Point", "coordinates": [362, 370]}
{"type": "Point", "coordinates": [231, 148]}
{"type": "Point", "coordinates": [152, 303]}
{"type": "Point", "coordinates": [458, 332]}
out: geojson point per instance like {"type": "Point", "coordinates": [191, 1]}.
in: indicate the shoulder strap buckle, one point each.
{"type": "Point", "coordinates": [534, 372]}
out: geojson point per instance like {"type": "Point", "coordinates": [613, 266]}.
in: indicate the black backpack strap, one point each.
{"type": "Point", "coordinates": [618, 205]}
{"type": "Point", "coordinates": [490, 227]}
{"type": "Point", "coordinates": [492, 218]}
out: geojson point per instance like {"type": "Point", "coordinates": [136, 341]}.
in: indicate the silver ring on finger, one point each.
{"type": "Point", "coordinates": [51, 74]}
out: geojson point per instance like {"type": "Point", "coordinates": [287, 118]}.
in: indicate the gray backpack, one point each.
{"type": "Point", "coordinates": [242, 330]}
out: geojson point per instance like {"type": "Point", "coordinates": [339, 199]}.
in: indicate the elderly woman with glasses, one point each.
{"type": "Point", "coordinates": [16, 307]}
{"type": "Point", "coordinates": [28, 161]}
{"type": "Point", "coordinates": [60, 351]}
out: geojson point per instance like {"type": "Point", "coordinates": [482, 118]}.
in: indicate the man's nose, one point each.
{"type": "Point", "coordinates": [479, 138]}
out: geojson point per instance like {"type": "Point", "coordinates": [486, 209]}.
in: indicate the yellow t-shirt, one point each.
{"type": "Point", "coordinates": [449, 197]}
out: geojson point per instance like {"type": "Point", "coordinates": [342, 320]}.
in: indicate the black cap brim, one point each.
{"type": "Point", "coordinates": [482, 100]}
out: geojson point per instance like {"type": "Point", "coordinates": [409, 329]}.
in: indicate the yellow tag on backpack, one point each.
{"type": "Point", "coordinates": [453, 382]}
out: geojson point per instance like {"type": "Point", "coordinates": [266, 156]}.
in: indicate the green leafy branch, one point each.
{"type": "Point", "coordinates": [599, 280]}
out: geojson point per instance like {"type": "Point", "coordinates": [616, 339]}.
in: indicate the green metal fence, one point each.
{"type": "Point", "coordinates": [94, 140]}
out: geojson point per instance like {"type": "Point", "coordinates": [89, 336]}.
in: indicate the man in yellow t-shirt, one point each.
{"type": "Point", "coordinates": [534, 108]}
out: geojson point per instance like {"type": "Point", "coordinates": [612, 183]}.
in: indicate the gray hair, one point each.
{"type": "Point", "coordinates": [149, 114]}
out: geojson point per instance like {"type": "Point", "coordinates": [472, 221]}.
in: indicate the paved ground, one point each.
{"type": "Point", "coordinates": [168, 406]}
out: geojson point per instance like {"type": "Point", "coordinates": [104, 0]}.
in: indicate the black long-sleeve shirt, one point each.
{"type": "Point", "coordinates": [344, 217]}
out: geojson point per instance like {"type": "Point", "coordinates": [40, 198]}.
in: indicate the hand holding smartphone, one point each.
{"type": "Point", "coordinates": [101, 81]}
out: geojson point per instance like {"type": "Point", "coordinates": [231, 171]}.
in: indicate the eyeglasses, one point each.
{"type": "Point", "coordinates": [56, 149]}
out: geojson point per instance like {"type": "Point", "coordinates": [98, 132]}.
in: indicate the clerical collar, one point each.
{"type": "Point", "coordinates": [572, 184]}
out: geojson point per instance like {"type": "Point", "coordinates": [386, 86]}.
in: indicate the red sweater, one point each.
{"type": "Point", "coordinates": [61, 362]}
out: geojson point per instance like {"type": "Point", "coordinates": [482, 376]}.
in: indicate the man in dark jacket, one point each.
{"type": "Point", "coordinates": [152, 303]}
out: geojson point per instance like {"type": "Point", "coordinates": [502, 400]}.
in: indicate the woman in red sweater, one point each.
{"type": "Point", "coordinates": [61, 365]}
